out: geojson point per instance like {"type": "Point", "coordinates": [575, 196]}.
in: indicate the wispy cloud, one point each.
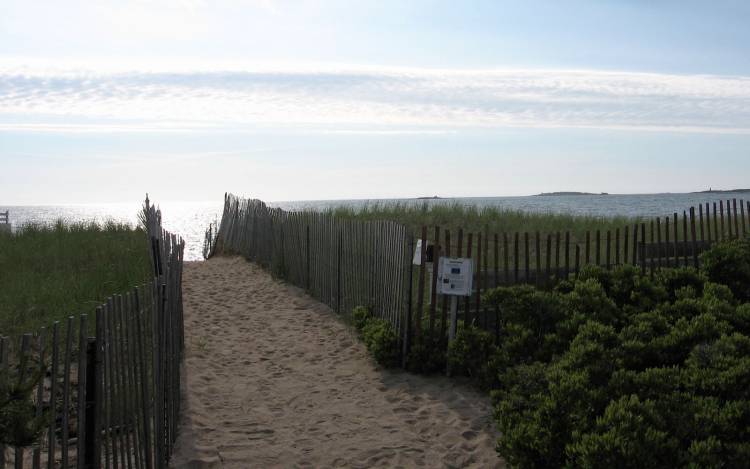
{"type": "Point", "coordinates": [350, 99]}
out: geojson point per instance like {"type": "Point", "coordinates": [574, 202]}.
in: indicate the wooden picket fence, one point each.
{"type": "Point", "coordinates": [342, 263]}
{"type": "Point", "coordinates": [112, 398]}
{"type": "Point", "coordinates": [503, 259]}
{"type": "Point", "coordinates": [347, 263]}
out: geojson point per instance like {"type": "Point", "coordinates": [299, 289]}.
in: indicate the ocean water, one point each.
{"type": "Point", "coordinates": [190, 219]}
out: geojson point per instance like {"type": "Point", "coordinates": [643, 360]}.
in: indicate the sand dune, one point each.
{"type": "Point", "coordinates": [274, 379]}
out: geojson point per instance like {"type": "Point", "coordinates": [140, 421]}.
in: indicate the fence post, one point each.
{"type": "Point", "coordinates": [409, 293]}
{"type": "Point", "coordinates": [694, 244]}
{"type": "Point", "coordinates": [92, 437]}
{"type": "Point", "coordinates": [307, 256]}
{"type": "Point", "coordinates": [3, 368]}
{"type": "Point", "coordinates": [643, 257]}
{"type": "Point", "coordinates": [338, 273]}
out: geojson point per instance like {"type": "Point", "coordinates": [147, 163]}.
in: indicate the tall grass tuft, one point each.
{"type": "Point", "coordinates": [51, 271]}
{"type": "Point", "coordinates": [478, 219]}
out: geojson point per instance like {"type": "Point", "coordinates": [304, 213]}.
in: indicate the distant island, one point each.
{"type": "Point", "coordinates": [728, 191]}
{"type": "Point", "coordinates": [546, 194]}
{"type": "Point", "coordinates": [428, 198]}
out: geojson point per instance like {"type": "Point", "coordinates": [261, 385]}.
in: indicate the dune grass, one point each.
{"type": "Point", "coordinates": [482, 219]}
{"type": "Point", "coordinates": [48, 272]}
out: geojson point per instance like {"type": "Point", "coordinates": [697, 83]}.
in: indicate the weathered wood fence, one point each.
{"type": "Point", "coordinates": [346, 263]}
{"type": "Point", "coordinates": [342, 263]}
{"type": "Point", "coordinates": [110, 387]}
{"type": "Point", "coordinates": [503, 259]}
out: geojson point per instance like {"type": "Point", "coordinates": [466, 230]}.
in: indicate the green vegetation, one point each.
{"type": "Point", "coordinates": [20, 426]}
{"type": "Point", "coordinates": [626, 370]}
{"type": "Point", "coordinates": [477, 219]}
{"type": "Point", "coordinates": [378, 335]}
{"type": "Point", "coordinates": [50, 272]}
{"type": "Point", "coordinates": [611, 368]}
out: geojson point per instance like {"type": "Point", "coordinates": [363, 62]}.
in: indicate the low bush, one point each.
{"type": "Point", "coordinates": [378, 335]}
{"type": "Point", "coordinates": [20, 426]}
{"type": "Point", "coordinates": [427, 352]}
{"type": "Point", "coordinates": [728, 264]}
{"type": "Point", "coordinates": [620, 369]}
{"type": "Point", "coordinates": [473, 353]}
{"type": "Point", "coordinates": [382, 341]}
{"type": "Point", "coordinates": [427, 355]}
{"type": "Point", "coordinates": [359, 318]}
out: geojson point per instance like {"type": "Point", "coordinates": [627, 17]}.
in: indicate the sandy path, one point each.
{"type": "Point", "coordinates": [274, 379]}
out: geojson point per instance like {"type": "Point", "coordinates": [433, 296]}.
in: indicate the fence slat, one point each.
{"type": "Point", "coordinates": [433, 281]}
{"type": "Point", "coordinates": [420, 291]}
{"type": "Point", "coordinates": [54, 378]}
{"type": "Point", "coordinates": [478, 277]}
{"type": "Point", "coordinates": [3, 369]}
{"type": "Point", "coordinates": [675, 228]}
{"type": "Point", "coordinates": [538, 256]}
{"type": "Point", "coordinates": [496, 284]}
{"type": "Point", "coordinates": [81, 415]}
{"type": "Point", "coordinates": [65, 440]}
{"type": "Point", "coordinates": [742, 216]}
{"type": "Point", "coordinates": [444, 309]}
{"type": "Point", "coordinates": [684, 238]}
{"type": "Point", "coordinates": [557, 255]}
{"type": "Point", "coordinates": [567, 254]}
{"type": "Point", "coordinates": [36, 457]}
{"type": "Point", "coordinates": [659, 251]}
{"type": "Point", "coordinates": [548, 265]}
{"type": "Point", "coordinates": [467, 299]}
{"type": "Point", "coordinates": [527, 269]}
{"type": "Point", "coordinates": [667, 255]}
{"type": "Point", "coordinates": [515, 258]}
{"type": "Point", "coordinates": [598, 253]}
{"type": "Point", "coordinates": [609, 249]}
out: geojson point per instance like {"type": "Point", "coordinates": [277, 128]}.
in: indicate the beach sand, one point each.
{"type": "Point", "coordinates": [274, 379]}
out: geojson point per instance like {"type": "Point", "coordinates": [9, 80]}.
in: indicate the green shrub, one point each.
{"type": "Point", "coordinates": [472, 354]}
{"type": "Point", "coordinates": [675, 280]}
{"type": "Point", "coordinates": [625, 370]}
{"type": "Point", "coordinates": [427, 356]}
{"type": "Point", "coordinates": [378, 335]}
{"type": "Point", "coordinates": [359, 317]}
{"type": "Point", "coordinates": [427, 352]}
{"type": "Point", "coordinates": [629, 434]}
{"type": "Point", "coordinates": [728, 263]}
{"type": "Point", "coordinates": [529, 323]}
{"type": "Point", "coordinates": [715, 291]}
{"type": "Point", "coordinates": [382, 341]}
{"type": "Point", "coordinates": [19, 424]}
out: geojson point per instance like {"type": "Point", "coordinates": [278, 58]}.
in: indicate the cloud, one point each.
{"type": "Point", "coordinates": [351, 99]}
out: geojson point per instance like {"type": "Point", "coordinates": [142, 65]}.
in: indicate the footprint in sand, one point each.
{"type": "Point", "coordinates": [280, 361]}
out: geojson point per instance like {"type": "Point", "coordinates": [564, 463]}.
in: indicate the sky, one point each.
{"type": "Point", "coordinates": [311, 99]}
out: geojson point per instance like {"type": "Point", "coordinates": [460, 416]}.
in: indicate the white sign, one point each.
{"type": "Point", "coordinates": [417, 253]}
{"type": "Point", "coordinates": [455, 276]}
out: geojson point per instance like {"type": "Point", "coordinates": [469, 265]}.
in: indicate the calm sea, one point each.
{"type": "Point", "coordinates": [190, 220]}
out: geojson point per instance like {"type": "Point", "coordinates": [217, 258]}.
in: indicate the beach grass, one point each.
{"type": "Point", "coordinates": [49, 272]}
{"type": "Point", "coordinates": [476, 219]}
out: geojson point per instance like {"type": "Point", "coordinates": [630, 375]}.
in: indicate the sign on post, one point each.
{"type": "Point", "coordinates": [417, 260]}
{"type": "Point", "coordinates": [455, 275]}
